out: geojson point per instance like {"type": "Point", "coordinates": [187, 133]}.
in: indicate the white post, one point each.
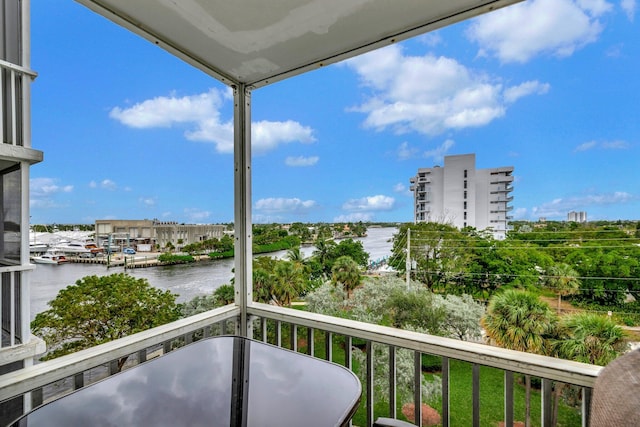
{"type": "Point", "coordinates": [408, 262]}
{"type": "Point", "coordinates": [242, 205]}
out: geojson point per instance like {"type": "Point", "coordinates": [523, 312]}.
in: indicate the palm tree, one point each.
{"type": "Point", "coordinates": [346, 271]}
{"type": "Point", "coordinates": [518, 320]}
{"type": "Point", "coordinates": [289, 281]}
{"type": "Point", "coordinates": [295, 255]}
{"type": "Point", "coordinates": [564, 280]}
{"type": "Point", "coordinates": [590, 338]}
{"type": "Point", "coordinates": [587, 338]}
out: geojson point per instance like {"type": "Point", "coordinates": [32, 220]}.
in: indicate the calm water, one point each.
{"type": "Point", "coordinates": [187, 281]}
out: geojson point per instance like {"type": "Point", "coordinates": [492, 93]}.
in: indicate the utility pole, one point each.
{"type": "Point", "coordinates": [408, 262]}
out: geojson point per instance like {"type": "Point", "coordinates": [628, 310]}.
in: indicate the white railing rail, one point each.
{"type": "Point", "coordinates": [29, 382]}
{"type": "Point", "coordinates": [35, 377]}
{"type": "Point", "coordinates": [548, 369]}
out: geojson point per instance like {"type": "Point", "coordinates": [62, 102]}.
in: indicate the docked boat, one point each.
{"type": "Point", "coordinates": [71, 248]}
{"type": "Point", "coordinates": [50, 257]}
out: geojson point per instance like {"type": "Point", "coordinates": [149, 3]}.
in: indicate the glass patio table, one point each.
{"type": "Point", "coordinates": [220, 381]}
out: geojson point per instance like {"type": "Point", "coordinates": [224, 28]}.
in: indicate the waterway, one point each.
{"type": "Point", "coordinates": [187, 281]}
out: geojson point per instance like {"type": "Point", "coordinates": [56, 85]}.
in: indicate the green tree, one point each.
{"type": "Point", "coordinates": [346, 272]}
{"type": "Point", "coordinates": [590, 338]}
{"type": "Point", "coordinates": [415, 309]}
{"type": "Point", "coordinates": [295, 255]}
{"type": "Point", "coordinates": [518, 320]}
{"type": "Point", "coordinates": [562, 279]}
{"type": "Point", "coordinates": [97, 310]}
{"type": "Point", "coordinates": [289, 281]}
{"type": "Point", "coordinates": [438, 251]}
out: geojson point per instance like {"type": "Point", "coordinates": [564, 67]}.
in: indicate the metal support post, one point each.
{"type": "Point", "coordinates": [242, 205]}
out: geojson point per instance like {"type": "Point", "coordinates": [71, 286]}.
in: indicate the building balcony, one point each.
{"type": "Point", "coordinates": [15, 110]}
{"type": "Point", "coordinates": [321, 334]}
{"type": "Point", "coordinates": [498, 179]}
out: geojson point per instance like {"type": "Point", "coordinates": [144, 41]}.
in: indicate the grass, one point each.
{"type": "Point", "coordinates": [460, 390]}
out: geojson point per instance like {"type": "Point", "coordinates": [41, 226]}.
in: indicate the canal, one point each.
{"type": "Point", "coordinates": [187, 281]}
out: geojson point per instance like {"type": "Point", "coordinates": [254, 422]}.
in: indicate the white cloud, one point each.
{"type": "Point", "coordinates": [47, 186]}
{"type": "Point", "coordinates": [405, 152]}
{"type": "Point", "coordinates": [614, 145]}
{"type": "Point", "coordinates": [523, 31]}
{"type": "Point", "coordinates": [203, 113]}
{"type": "Point", "coordinates": [437, 154]}
{"type": "Point", "coordinates": [399, 188]}
{"type": "Point", "coordinates": [163, 111]}
{"type": "Point", "coordinates": [561, 206]}
{"type": "Point", "coordinates": [604, 145]}
{"type": "Point", "coordinates": [43, 191]}
{"type": "Point", "coordinates": [520, 213]}
{"type": "Point", "coordinates": [108, 184]}
{"type": "Point", "coordinates": [267, 219]}
{"type": "Point", "coordinates": [629, 7]}
{"type": "Point", "coordinates": [148, 201]}
{"type": "Point", "coordinates": [429, 94]}
{"type": "Point", "coordinates": [514, 93]}
{"type": "Point", "coordinates": [281, 205]}
{"type": "Point", "coordinates": [585, 146]}
{"type": "Point", "coordinates": [301, 161]}
{"type": "Point", "coordinates": [370, 203]}
{"type": "Point", "coordinates": [354, 217]}
{"type": "Point", "coordinates": [195, 215]}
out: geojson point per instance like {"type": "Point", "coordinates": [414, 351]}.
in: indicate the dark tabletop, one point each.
{"type": "Point", "coordinates": [221, 381]}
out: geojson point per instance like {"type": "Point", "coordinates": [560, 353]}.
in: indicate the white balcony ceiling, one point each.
{"type": "Point", "coordinates": [258, 42]}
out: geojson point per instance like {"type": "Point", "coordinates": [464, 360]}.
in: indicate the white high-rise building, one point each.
{"type": "Point", "coordinates": [463, 196]}
{"type": "Point", "coordinates": [580, 216]}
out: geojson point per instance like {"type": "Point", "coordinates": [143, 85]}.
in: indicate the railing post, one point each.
{"type": "Point", "coordinates": [547, 400]}
{"type": "Point", "coordinates": [586, 406]}
{"type": "Point", "coordinates": [369, 383]}
{"type": "Point", "coordinates": [476, 395]}
{"type": "Point", "coordinates": [508, 398]}
{"type": "Point", "coordinates": [392, 382]}
{"type": "Point", "coordinates": [417, 387]}
{"type": "Point", "coordinates": [445, 392]}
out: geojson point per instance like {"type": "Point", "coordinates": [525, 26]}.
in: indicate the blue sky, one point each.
{"type": "Point", "coordinates": [550, 87]}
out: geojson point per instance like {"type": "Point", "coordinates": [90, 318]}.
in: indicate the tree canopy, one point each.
{"type": "Point", "coordinates": [98, 309]}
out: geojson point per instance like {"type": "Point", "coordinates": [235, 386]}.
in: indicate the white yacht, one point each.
{"type": "Point", "coordinates": [69, 247]}
{"type": "Point", "coordinates": [50, 257]}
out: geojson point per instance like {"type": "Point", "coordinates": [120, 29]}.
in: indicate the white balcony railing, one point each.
{"type": "Point", "coordinates": [49, 380]}
{"type": "Point", "coordinates": [13, 307]}
{"type": "Point", "coordinates": [14, 81]}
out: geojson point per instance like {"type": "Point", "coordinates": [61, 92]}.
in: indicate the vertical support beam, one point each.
{"type": "Point", "coordinates": [508, 398]}
{"type": "Point", "coordinates": [392, 382]}
{"type": "Point", "coordinates": [586, 406]}
{"type": "Point", "coordinates": [369, 383]}
{"type": "Point", "coordinates": [476, 394]}
{"type": "Point", "coordinates": [547, 402]}
{"type": "Point", "coordinates": [242, 204]}
{"type": "Point", "coordinates": [278, 333]}
{"type": "Point", "coordinates": [328, 346]}
{"type": "Point", "coordinates": [445, 392]}
{"type": "Point", "coordinates": [293, 336]}
{"type": "Point", "coordinates": [26, 80]}
{"type": "Point", "coordinates": [417, 388]}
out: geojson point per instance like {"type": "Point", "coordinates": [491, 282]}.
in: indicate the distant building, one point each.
{"type": "Point", "coordinates": [577, 216]}
{"type": "Point", "coordinates": [463, 196]}
{"type": "Point", "coordinates": [145, 233]}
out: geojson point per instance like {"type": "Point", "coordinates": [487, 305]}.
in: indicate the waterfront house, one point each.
{"type": "Point", "coordinates": [271, 47]}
